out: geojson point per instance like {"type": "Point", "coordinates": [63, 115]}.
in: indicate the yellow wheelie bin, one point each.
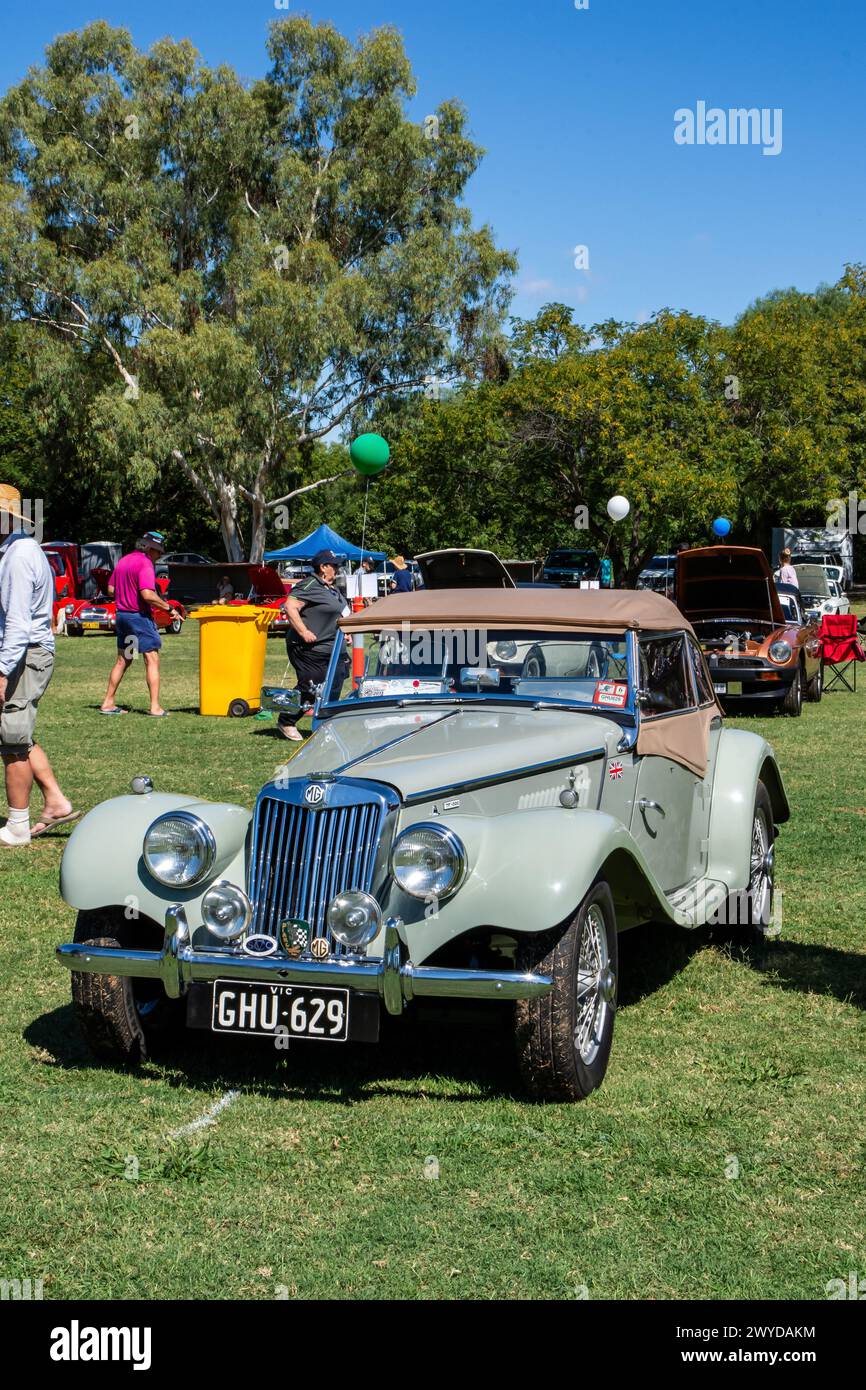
{"type": "Point", "coordinates": [232, 641]}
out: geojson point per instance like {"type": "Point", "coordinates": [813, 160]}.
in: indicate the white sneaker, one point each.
{"type": "Point", "coordinates": [15, 833]}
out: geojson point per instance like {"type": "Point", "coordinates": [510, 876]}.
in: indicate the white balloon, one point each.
{"type": "Point", "coordinates": [618, 508]}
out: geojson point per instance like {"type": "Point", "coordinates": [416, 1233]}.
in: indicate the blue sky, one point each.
{"type": "Point", "coordinates": [576, 111]}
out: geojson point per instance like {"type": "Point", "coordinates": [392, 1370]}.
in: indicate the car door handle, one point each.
{"type": "Point", "coordinates": [646, 805]}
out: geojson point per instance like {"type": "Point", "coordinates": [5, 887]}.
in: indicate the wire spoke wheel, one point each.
{"type": "Point", "coordinates": [564, 1037]}
{"type": "Point", "coordinates": [761, 869]}
{"type": "Point", "coordinates": [594, 986]}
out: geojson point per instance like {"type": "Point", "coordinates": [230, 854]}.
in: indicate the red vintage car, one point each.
{"type": "Point", "coordinates": [267, 590]}
{"type": "Point", "coordinates": [62, 556]}
{"type": "Point", "coordinates": [98, 615]}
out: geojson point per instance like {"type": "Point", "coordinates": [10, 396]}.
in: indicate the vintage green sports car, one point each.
{"type": "Point", "coordinates": [519, 775]}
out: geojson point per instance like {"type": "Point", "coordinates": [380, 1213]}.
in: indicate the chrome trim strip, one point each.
{"type": "Point", "coordinates": [516, 774]}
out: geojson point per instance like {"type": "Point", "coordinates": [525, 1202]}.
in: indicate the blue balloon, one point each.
{"type": "Point", "coordinates": [721, 526]}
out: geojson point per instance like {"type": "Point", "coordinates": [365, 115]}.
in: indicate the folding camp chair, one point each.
{"type": "Point", "coordinates": [840, 648]}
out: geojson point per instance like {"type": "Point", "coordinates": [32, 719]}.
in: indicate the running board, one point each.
{"type": "Point", "coordinates": [697, 902]}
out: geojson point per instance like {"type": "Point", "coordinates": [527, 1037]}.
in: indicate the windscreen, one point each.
{"type": "Point", "coordinates": [591, 669]}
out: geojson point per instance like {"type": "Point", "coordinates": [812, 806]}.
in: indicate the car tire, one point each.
{"type": "Point", "coordinates": [563, 1041]}
{"type": "Point", "coordinates": [176, 624]}
{"type": "Point", "coordinates": [74, 632]}
{"type": "Point", "coordinates": [792, 700]}
{"type": "Point", "coordinates": [815, 687]}
{"type": "Point", "coordinates": [596, 663]}
{"type": "Point", "coordinates": [118, 1015]}
{"type": "Point", "coordinates": [747, 914]}
{"type": "Point", "coordinates": [534, 665]}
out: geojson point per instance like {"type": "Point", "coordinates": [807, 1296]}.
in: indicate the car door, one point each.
{"type": "Point", "coordinates": [669, 799]}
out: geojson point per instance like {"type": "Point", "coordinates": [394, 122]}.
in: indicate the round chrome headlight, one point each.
{"type": "Point", "coordinates": [428, 861]}
{"type": "Point", "coordinates": [179, 849]}
{"type": "Point", "coordinates": [226, 911]}
{"type": "Point", "coordinates": [354, 918]}
{"type": "Point", "coordinates": [505, 650]}
{"type": "Point", "coordinates": [780, 652]}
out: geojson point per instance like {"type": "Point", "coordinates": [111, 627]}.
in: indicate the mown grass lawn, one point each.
{"type": "Point", "coordinates": [723, 1158]}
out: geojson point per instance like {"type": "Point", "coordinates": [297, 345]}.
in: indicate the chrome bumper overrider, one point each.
{"type": "Point", "coordinates": [396, 981]}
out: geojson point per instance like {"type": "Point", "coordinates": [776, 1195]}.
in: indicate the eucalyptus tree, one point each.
{"type": "Point", "coordinates": [220, 274]}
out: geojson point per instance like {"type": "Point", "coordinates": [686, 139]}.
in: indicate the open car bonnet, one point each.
{"type": "Point", "coordinates": [727, 581]}
{"type": "Point", "coordinates": [813, 581]}
{"type": "Point", "coordinates": [463, 569]}
{"type": "Point", "coordinates": [266, 582]}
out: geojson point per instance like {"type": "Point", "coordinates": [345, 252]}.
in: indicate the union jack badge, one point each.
{"type": "Point", "coordinates": [294, 937]}
{"type": "Point", "coordinates": [614, 772]}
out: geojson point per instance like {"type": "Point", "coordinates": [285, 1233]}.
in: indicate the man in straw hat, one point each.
{"type": "Point", "coordinates": [401, 583]}
{"type": "Point", "coordinates": [26, 667]}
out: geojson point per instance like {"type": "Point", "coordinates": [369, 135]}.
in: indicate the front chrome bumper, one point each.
{"type": "Point", "coordinates": [396, 981]}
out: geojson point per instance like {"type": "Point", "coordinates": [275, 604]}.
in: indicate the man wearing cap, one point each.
{"type": "Point", "coordinates": [26, 667]}
{"type": "Point", "coordinates": [133, 588]}
{"type": "Point", "coordinates": [402, 580]}
{"type": "Point", "coordinates": [313, 609]}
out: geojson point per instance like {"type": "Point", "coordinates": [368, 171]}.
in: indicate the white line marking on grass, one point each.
{"type": "Point", "coordinates": [208, 1117]}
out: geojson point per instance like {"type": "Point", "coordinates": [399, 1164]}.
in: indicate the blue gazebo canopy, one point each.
{"type": "Point", "coordinates": [323, 538]}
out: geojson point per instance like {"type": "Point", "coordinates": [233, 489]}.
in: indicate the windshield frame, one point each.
{"type": "Point", "coordinates": [355, 705]}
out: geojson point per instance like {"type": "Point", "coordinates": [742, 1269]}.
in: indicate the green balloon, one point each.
{"type": "Point", "coordinates": [370, 454]}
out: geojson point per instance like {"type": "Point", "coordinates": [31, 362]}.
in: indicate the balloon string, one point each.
{"type": "Point", "coordinates": [364, 525]}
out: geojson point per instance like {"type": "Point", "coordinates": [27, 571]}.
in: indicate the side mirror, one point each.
{"type": "Point", "coordinates": [481, 677]}
{"type": "Point", "coordinates": [280, 700]}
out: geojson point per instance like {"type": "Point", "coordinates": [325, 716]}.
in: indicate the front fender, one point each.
{"type": "Point", "coordinates": [743, 759]}
{"type": "Point", "coordinates": [103, 866]}
{"type": "Point", "coordinates": [529, 871]}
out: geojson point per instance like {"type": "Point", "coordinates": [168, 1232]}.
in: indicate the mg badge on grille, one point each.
{"type": "Point", "coordinates": [294, 937]}
{"type": "Point", "coordinates": [320, 948]}
{"type": "Point", "coordinates": [314, 795]}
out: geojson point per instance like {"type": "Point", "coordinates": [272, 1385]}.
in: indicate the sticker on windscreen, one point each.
{"type": "Point", "coordinates": [370, 689]}
{"type": "Point", "coordinates": [613, 694]}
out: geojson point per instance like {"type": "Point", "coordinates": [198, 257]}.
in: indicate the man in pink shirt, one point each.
{"type": "Point", "coordinates": [133, 588]}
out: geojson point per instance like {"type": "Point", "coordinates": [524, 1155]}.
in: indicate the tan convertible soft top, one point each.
{"type": "Point", "coordinates": [549, 610]}
{"type": "Point", "coordinates": [681, 737]}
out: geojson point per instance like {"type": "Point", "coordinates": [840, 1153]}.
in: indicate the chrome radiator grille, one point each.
{"type": "Point", "coordinates": [302, 858]}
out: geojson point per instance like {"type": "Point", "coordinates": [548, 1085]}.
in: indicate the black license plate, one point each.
{"type": "Point", "coordinates": [260, 1010]}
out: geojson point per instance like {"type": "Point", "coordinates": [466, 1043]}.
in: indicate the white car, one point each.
{"type": "Point", "coordinates": [819, 593]}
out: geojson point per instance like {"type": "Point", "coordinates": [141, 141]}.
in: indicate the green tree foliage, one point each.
{"type": "Point", "coordinates": [220, 276]}
{"type": "Point", "coordinates": [19, 435]}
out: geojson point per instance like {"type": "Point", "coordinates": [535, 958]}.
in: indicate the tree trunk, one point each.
{"type": "Point", "coordinates": [259, 530]}
{"type": "Point", "coordinates": [229, 525]}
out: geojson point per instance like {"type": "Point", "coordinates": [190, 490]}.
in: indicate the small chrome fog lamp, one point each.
{"type": "Point", "coordinates": [354, 918]}
{"type": "Point", "coordinates": [226, 911]}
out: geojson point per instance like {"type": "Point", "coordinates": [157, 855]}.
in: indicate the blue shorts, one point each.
{"type": "Point", "coordinates": [136, 633]}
